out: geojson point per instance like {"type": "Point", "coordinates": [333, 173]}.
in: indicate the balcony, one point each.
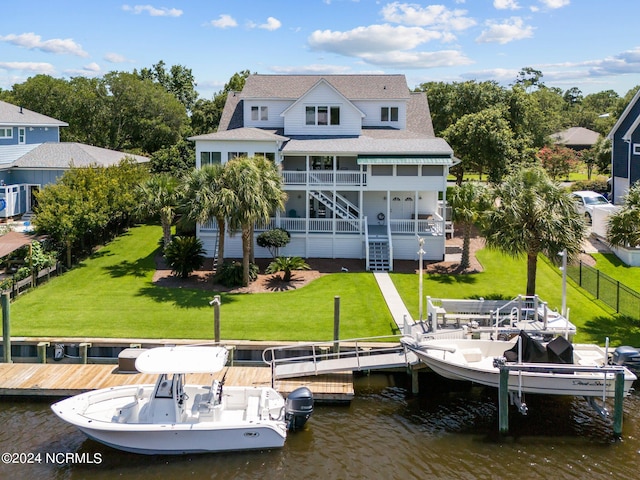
{"type": "Point", "coordinates": [325, 178]}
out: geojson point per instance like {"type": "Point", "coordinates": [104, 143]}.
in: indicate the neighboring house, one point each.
{"type": "Point", "coordinates": [625, 150]}
{"type": "Point", "coordinates": [576, 138]}
{"type": "Point", "coordinates": [364, 173]}
{"type": "Point", "coordinates": [32, 156]}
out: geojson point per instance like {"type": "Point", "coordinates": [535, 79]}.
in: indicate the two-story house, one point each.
{"type": "Point", "coordinates": [625, 150]}
{"type": "Point", "coordinates": [364, 173]}
{"type": "Point", "coordinates": [31, 156]}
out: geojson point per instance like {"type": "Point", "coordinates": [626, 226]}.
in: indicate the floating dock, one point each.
{"type": "Point", "coordinates": [62, 380]}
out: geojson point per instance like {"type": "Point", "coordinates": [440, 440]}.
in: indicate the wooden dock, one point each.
{"type": "Point", "coordinates": [62, 380]}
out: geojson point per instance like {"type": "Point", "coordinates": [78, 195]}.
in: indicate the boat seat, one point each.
{"type": "Point", "coordinates": [471, 354]}
{"type": "Point", "coordinates": [253, 409]}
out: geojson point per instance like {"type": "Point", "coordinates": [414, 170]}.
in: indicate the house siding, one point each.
{"type": "Point", "coordinates": [275, 109]}
{"type": "Point", "coordinates": [625, 165]}
{"type": "Point", "coordinates": [322, 94]}
{"type": "Point", "coordinates": [372, 111]}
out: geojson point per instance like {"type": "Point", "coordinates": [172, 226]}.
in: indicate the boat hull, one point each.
{"type": "Point", "coordinates": [175, 440]}
{"type": "Point", "coordinates": [100, 415]}
{"type": "Point", "coordinates": [452, 364]}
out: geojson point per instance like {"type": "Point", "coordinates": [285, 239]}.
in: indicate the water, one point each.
{"type": "Point", "coordinates": [448, 431]}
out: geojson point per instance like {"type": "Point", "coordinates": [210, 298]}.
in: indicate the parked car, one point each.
{"type": "Point", "coordinates": [586, 201]}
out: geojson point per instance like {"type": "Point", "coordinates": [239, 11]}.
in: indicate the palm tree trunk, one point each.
{"type": "Point", "coordinates": [246, 252]}
{"type": "Point", "coordinates": [252, 253]}
{"type": "Point", "coordinates": [166, 229]}
{"type": "Point", "coordinates": [532, 266]}
{"type": "Point", "coordinates": [221, 232]}
{"type": "Point", "coordinates": [466, 242]}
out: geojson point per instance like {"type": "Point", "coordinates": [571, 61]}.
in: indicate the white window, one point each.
{"type": "Point", "coordinates": [322, 115]}
{"type": "Point", "coordinates": [22, 135]}
{"type": "Point", "coordinates": [268, 155]}
{"type": "Point", "coordinates": [210, 158]}
{"type": "Point", "coordinates": [636, 148]}
{"type": "Point", "coordinates": [6, 132]}
{"type": "Point", "coordinates": [232, 155]}
{"type": "Point", "coordinates": [389, 114]}
{"type": "Point", "coordinates": [259, 114]}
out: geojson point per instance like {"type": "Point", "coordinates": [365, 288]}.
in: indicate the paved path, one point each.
{"type": "Point", "coordinates": [396, 306]}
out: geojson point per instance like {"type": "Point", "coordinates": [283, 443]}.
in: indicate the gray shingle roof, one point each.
{"type": "Point", "coordinates": [370, 143]}
{"type": "Point", "coordinates": [13, 115]}
{"type": "Point", "coordinates": [248, 133]}
{"type": "Point", "coordinates": [578, 136]}
{"type": "Point", "coordinates": [63, 155]}
{"type": "Point", "coordinates": [353, 87]}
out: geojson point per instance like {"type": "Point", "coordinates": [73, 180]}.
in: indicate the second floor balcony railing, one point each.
{"type": "Point", "coordinates": [323, 177]}
{"type": "Point", "coordinates": [421, 227]}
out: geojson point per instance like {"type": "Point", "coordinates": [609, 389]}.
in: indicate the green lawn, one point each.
{"type": "Point", "coordinates": [112, 295]}
{"type": "Point", "coordinates": [611, 265]}
{"type": "Point", "coordinates": [506, 277]}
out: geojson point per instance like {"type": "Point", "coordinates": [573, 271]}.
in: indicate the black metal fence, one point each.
{"type": "Point", "coordinates": [618, 296]}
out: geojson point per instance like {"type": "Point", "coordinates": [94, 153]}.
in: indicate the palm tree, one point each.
{"type": "Point", "coordinates": [624, 225]}
{"type": "Point", "coordinates": [184, 255]}
{"type": "Point", "coordinates": [468, 202]}
{"type": "Point", "coordinates": [160, 196]}
{"type": "Point", "coordinates": [206, 196]}
{"type": "Point", "coordinates": [286, 265]}
{"type": "Point", "coordinates": [534, 215]}
{"type": "Point", "coordinates": [257, 186]}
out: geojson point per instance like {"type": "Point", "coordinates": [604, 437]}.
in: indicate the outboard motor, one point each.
{"type": "Point", "coordinates": [627, 356]}
{"type": "Point", "coordinates": [298, 408]}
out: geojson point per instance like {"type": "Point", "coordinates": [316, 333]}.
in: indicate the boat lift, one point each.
{"type": "Point", "coordinates": [360, 354]}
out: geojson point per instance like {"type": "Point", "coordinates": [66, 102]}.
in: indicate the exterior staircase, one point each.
{"type": "Point", "coordinates": [342, 207]}
{"type": "Point", "coordinates": [379, 258]}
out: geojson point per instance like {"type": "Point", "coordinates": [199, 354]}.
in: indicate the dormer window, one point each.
{"type": "Point", "coordinates": [389, 114]}
{"type": "Point", "coordinates": [6, 132]}
{"type": "Point", "coordinates": [322, 115]}
{"type": "Point", "coordinates": [259, 114]}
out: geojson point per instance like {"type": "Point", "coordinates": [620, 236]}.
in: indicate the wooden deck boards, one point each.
{"type": "Point", "coordinates": [29, 379]}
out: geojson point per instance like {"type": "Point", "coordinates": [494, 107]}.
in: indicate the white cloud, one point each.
{"type": "Point", "coordinates": [372, 39]}
{"type": "Point", "coordinates": [505, 32]}
{"type": "Point", "coordinates": [153, 11]}
{"type": "Point", "coordinates": [116, 58]}
{"type": "Point", "coordinates": [34, 67]}
{"type": "Point", "coordinates": [32, 41]}
{"type": "Point", "coordinates": [506, 4]}
{"type": "Point", "coordinates": [410, 60]}
{"type": "Point", "coordinates": [435, 16]}
{"type": "Point", "coordinates": [224, 21]}
{"type": "Point", "coordinates": [311, 69]}
{"type": "Point", "coordinates": [555, 3]}
{"type": "Point", "coordinates": [272, 24]}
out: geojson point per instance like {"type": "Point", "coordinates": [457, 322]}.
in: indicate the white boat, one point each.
{"type": "Point", "coordinates": [173, 418]}
{"type": "Point", "coordinates": [555, 368]}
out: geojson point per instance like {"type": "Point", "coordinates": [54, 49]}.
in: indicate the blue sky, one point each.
{"type": "Point", "coordinates": [590, 44]}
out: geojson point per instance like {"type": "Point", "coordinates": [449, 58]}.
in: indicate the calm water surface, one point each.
{"type": "Point", "coordinates": [448, 431]}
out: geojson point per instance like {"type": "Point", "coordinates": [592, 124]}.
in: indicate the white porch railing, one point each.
{"type": "Point", "coordinates": [319, 177]}
{"type": "Point", "coordinates": [422, 227]}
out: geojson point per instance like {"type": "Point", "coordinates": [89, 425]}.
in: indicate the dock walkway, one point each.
{"type": "Point", "coordinates": [62, 380]}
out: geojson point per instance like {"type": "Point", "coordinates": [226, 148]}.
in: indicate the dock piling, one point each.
{"type": "Point", "coordinates": [42, 351]}
{"type": "Point", "coordinates": [503, 403]}
{"type": "Point", "coordinates": [84, 347]}
{"type": "Point", "coordinates": [617, 409]}
{"type": "Point", "coordinates": [6, 327]}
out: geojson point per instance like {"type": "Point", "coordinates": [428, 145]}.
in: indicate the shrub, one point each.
{"type": "Point", "coordinates": [600, 186]}
{"type": "Point", "coordinates": [184, 255]}
{"type": "Point", "coordinates": [286, 265]}
{"type": "Point", "coordinates": [273, 240]}
{"type": "Point", "coordinates": [230, 274]}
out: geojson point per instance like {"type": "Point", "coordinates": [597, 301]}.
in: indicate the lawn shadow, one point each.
{"type": "Point", "coordinates": [450, 279]}
{"type": "Point", "coordinates": [183, 297]}
{"type": "Point", "coordinates": [140, 268]}
{"type": "Point", "coordinates": [621, 330]}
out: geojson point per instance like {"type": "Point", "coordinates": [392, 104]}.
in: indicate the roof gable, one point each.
{"type": "Point", "coordinates": [627, 111]}
{"type": "Point", "coordinates": [352, 87]}
{"type": "Point", "coordinates": [13, 115]}
{"type": "Point", "coordinates": [319, 84]}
